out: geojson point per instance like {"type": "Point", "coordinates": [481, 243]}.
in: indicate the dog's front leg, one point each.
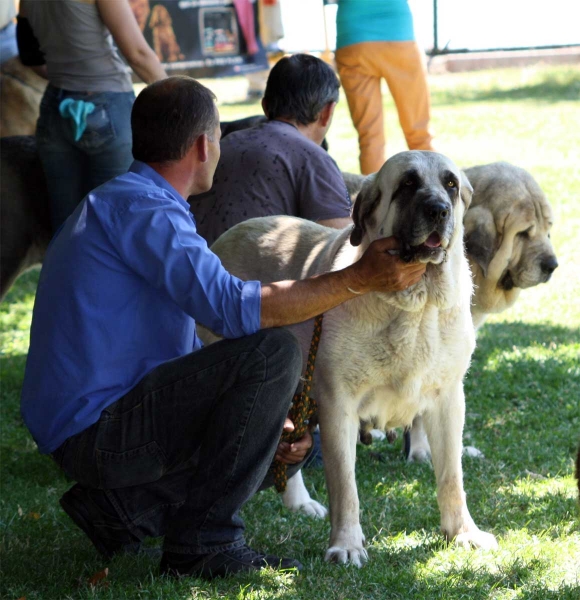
{"type": "Point", "coordinates": [339, 425]}
{"type": "Point", "coordinates": [444, 426]}
{"type": "Point", "coordinates": [297, 498]}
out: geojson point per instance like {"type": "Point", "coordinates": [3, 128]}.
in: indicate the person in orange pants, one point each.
{"type": "Point", "coordinates": [375, 40]}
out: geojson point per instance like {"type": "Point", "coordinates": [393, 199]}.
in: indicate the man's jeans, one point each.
{"type": "Point", "coordinates": [184, 450]}
{"type": "Point", "coordinates": [74, 168]}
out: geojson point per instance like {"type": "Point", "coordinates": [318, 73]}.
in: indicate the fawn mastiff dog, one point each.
{"type": "Point", "coordinates": [389, 357]}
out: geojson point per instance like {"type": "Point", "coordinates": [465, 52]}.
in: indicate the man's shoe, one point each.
{"type": "Point", "coordinates": [75, 504]}
{"type": "Point", "coordinates": [221, 564]}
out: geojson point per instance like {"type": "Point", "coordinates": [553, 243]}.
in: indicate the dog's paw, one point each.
{"type": "Point", "coordinates": [312, 509]}
{"type": "Point", "coordinates": [472, 452]}
{"type": "Point", "coordinates": [297, 499]}
{"type": "Point", "coordinates": [378, 435]}
{"type": "Point", "coordinates": [347, 547]}
{"type": "Point", "coordinates": [476, 539]}
{"type": "Point", "coordinates": [419, 455]}
{"type": "Point", "coordinates": [356, 555]}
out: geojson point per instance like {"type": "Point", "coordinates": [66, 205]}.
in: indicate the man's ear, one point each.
{"type": "Point", "coordinates": [201, 148]}
{"type": "Point", "coordinates": [325, 116]}
{"type": "Point", "coordinates": [264, 107]}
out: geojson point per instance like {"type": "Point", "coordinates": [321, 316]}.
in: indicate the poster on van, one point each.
{"type": "Point", "coordinates": [203, 38]}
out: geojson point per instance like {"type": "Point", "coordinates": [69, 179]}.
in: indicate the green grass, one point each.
{"type": "Point", "coordinates": [523, 412]}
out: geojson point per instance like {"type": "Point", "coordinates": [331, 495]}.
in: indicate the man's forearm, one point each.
{"type": "Point", "coordinates": [379, 270]}
{"type": "Point", "coordinates": [288, 302]}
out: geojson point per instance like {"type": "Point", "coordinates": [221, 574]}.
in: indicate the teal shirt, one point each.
{"type": "Point", "coordinates": [373, 21]}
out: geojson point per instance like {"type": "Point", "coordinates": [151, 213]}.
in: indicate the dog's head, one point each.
{"type": "Point", "coordinates": [420, 198]}
{"type": "Point", "coordinates": [510, 212]}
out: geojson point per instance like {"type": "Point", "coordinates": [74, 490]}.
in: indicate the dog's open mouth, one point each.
{"type": "Point", "coordinates": [431, 250]}
{"type": "Point", "coordinates": [433, 241]}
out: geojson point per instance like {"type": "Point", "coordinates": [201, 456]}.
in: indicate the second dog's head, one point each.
{"type": "Point", "coordinates": [420, 198]}
{"type": "Point", "coordinates": [510, 212]}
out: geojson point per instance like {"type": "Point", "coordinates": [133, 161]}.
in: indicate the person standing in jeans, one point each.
{"type": "Point", "coordinates": [375, 40]}
{"type": "Point", "coordinates": [163, 436]}
{"type": "Point", "coordinates": [83, 132]}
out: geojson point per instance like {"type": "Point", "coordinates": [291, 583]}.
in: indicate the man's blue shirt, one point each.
{"type": "Point", "coordinates": [122, 285]}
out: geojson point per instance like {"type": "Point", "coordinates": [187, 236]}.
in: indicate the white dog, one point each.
{"type": "Point", "coordinates": [389, 357]}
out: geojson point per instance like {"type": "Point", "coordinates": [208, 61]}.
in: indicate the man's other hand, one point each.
{"type": "Point", "coordinates": [293, 453]}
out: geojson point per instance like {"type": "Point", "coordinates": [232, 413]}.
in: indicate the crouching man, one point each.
{"type": "Point", "coordinates": [164, 437]}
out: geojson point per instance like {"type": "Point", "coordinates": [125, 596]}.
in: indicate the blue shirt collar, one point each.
{"type": "Point", "coordinates": [143, 169]}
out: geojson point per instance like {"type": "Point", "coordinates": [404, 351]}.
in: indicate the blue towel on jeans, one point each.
{"type": "Point", "coordinates": [77, 110]}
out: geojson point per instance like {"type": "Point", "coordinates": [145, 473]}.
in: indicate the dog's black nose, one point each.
{"type": "Point", "coordinates": [549, 264]}
{"type": "Point", "coordinates": [437, 210]}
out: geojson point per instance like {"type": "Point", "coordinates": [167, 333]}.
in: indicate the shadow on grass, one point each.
{"type": "Point", "coordinates": [28, 466]}
{"type": "Point", "coordinates": [553, 88]}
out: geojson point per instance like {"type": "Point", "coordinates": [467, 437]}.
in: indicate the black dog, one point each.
{"type": "Point", "coordinates": [24, 219]}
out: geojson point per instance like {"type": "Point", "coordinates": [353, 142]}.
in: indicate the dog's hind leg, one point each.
{"type": "Point", "coordinates": [444, 426]}
{"type": "Point", "coordinates": [297, 498]}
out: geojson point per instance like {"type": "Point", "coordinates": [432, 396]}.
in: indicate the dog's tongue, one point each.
{"type": "Point", "coordinates": [433, 241]}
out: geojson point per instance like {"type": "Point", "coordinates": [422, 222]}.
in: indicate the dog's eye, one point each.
{"type": "Point", "coordinates": [451, 184]}
{"type": "Point", "coordinates": [525, 234]}
{"type": "Point", "coordinates": [409, 182]}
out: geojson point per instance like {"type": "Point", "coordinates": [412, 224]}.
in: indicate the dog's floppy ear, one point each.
{"type": "Point", "coordinates": [466, 190]}
{"type": "Point", "coordinates": [365, 204]}
{"type": "Point", "coordinates": [480, 236]}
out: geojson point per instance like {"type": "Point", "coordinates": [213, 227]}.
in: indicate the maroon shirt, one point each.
{"type": "Point", "coordinates": [270, 169]}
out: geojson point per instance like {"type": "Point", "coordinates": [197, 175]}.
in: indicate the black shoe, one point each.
{"type": "Point", "coordinates": [75, 504]}
{"type": "Point", "coordinates": [220, 564]}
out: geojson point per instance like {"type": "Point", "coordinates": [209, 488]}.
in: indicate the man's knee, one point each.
{"type": "Point", "coordinates": [282, 347]}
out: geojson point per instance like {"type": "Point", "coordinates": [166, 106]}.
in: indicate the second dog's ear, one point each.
{"type": "Point", "coordinates": [366, 202]}
{"type": "Point", "coordinates": [466, 190]}
{"type": "Point", "coordinates": [480, 236]}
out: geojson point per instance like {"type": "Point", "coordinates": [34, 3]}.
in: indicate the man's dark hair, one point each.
{"type": "Point", "coordinates": [299, 87]}
{"type": "Point", "coordinates": [168, 116]}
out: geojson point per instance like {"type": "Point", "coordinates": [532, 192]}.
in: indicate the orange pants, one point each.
{"type": "Point", "coordinates": [361, 68]}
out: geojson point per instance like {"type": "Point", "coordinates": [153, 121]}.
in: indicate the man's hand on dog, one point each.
{"type": "Point", "coordinates": [381, 270]}
{"type": "Point", "coordinates": [293, 453]}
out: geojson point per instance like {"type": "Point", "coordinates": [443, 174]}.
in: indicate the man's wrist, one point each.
{"type": "Point", "coordinates": [354, 283]}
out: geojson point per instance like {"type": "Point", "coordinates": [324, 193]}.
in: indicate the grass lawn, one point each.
{"type": "Point", "coordinates": [523, 412]}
